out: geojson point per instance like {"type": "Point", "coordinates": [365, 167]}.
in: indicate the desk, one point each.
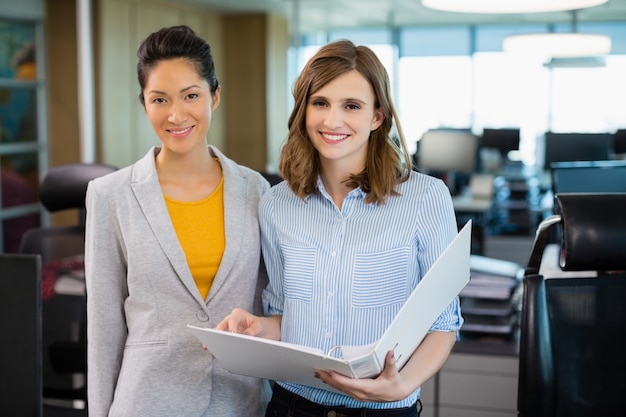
{"type": "Point", "coordinates": [477, 209]}
{"type": "Point", "coordinates": [465, 203]}
{"type": "Point", "coordinates": [479, 379]}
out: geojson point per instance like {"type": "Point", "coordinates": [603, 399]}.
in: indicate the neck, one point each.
{"type": "Point", "coordinates": [189, 177]}
{"type": "Point", "coordinates": [190, 165]}
{"type": "Point", "coordinates": [334, 182]}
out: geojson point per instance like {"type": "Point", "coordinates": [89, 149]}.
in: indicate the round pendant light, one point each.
{"type": "Point", "coordinates": [558, 45]}
{"type": "Point", "coordinates": [510, 6]}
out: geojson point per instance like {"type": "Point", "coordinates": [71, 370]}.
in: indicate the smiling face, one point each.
{"type": "Point", "coordinates": [339, 119]}
{"type": "Point", "coordinates": [179, 105]}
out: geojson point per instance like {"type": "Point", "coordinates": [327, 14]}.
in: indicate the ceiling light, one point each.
{"type": "Point", "coordinates": [581, 62]}
{"type": "Point", "coordinates": [558, 45]}
{"type": "Point", "coordinates": [510, 6]}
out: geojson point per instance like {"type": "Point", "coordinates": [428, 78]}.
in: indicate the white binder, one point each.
{"type": "Point", "coordinates": [280, 361]}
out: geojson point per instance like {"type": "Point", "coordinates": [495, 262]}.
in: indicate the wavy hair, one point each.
{"type": "Point", "coordinates": [388, 161]}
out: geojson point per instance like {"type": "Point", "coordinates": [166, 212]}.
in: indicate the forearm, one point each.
{"type": "Point", "coordinates": [427, 359]}
{"type": "Point", "coordinates": [392, 385]}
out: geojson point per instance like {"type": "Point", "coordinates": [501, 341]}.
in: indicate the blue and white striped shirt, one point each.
{"type": "Point", "coordinates": [339, 277]}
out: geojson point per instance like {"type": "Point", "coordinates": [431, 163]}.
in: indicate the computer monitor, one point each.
{"type": "Point", "coordinates": [503, 140]}
{"type": "Point", "coordinates": [562, 147]}
{"type": "Point", "coordinates": [448, 151]}
{"type": "Point", "coordinates": [589, 177]}
{"type": "Point", "coordinates": [449, 154]}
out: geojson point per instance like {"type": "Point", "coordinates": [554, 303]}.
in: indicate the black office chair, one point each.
{"type": "Point", "coordinates": [62, 188]}
{"type": "Point", "coordinates": [272, 177]}
{"type": "Point", "coordinates": [573, 325]}
{"type": "Point", "coordinates": [61, 248]}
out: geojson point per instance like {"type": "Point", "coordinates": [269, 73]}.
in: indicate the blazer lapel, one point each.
{"type": "Point", "coordinates": [235, 189]}
{"type": "Point", "coordinates": [145, 185]}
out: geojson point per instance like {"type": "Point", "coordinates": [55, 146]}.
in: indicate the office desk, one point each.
{"type": "Point", "coordinates": [465, 203]}
{"type": "Point", "coordinates": [479, 379]}
{"type": "Point", "coordinates": [467, 207]}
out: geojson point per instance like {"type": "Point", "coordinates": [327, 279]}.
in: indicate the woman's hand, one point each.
{"type": "Point", "coordinates": [240, 321]}
{"type": "Point", "coordinates": [394, 385]}
{"type": "Point", "coordinates": [386, 387]}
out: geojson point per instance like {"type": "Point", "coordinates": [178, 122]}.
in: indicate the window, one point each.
{"type": "Point", "coordinates": [458, 77]}
{"type": "Point", "coordinates": [589, 99]}
{"type": "Point", "coordinates": [20, 92]}
{"type": "Point", "coordinates": [511, 91]}
{"type": "Point", "coordinates": [435, 93]}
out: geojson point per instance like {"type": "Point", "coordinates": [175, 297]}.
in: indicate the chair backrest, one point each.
{"type": "Point", "coordinates": [272, 177]}
{"type": "Point", "coordinates": [62, 187]}
{"type": "Point", "coordinates": [61, 248]}
{"type": "Point", "coordinates": [20, 326]}
{"type": "Point", "coordinates": [572, 327]}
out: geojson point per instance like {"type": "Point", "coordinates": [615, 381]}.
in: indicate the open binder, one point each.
{"type": "Point", "coordinates": [280, 361]}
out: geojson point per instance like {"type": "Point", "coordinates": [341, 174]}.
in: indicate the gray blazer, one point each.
{"type": "Point", "coordinates": [142, 361]}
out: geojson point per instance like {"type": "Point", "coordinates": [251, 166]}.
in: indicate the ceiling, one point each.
{"type": "Point", "coordinates": [314, 15]}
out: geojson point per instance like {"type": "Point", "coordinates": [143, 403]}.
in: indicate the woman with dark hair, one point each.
{"type": "Point", "coordinates": [346, 238]}
{"type": "Point", "coordinates": [171, 240]}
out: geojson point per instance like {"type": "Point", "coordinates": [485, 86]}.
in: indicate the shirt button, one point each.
{"type": "Point", "coordinates": [327, 335]}
{"type": "Point", "coordinates": [333, 254]}
{"type": "Point", "coordinates": [202, 316]}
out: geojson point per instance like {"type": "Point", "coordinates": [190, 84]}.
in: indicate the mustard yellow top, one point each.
{"type": "Point", "coordinates": [199, 226]}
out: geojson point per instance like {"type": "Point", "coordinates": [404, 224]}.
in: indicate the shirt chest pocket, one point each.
{"type": "Point", "coordinates": [299, 266]}
{"type": "Point", "coordinates": [380, 279]}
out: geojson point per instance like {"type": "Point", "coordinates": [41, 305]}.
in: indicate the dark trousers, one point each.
{"type": "Point", "coordinates": [287, 404]}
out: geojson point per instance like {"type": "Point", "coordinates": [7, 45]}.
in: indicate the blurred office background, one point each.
{"type": "Point", "coordinates": [504, 129]}
{"type": "Point", "coordinates": [68, 85]}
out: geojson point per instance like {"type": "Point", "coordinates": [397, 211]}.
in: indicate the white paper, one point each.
{"type": "Point", "coordinates": [280, 361]}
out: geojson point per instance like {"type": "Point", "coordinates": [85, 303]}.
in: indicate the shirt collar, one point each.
{"type": "Point", "coordinates": [356, 193]}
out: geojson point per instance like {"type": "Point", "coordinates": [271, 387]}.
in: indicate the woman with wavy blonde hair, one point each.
{"type": "Point", "coordinates": [347, 237]}
{"type": "Point", "coordinates": [387, 162]}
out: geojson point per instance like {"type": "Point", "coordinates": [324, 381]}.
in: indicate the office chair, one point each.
{"type": "Point", "coordinates": [573, 324]}
{"type": "Point", "coordinates": [61, 248]}
{"type": "Point", "coordinates": [272, 177]}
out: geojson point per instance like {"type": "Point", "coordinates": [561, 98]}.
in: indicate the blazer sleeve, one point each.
{"type": "Point", "coordinates": [105, 274]}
